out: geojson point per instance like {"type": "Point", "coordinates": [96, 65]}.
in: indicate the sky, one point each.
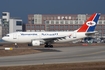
{"type": "Point", "coordinates": [22, 8]}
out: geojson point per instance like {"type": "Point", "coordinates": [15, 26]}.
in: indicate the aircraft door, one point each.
{"type": "Point", "coordinates": [15, 37]}
{"type": "Point", "coordinates": [40, 35]}
{"type": "Point", "coordinates": [74, 34]}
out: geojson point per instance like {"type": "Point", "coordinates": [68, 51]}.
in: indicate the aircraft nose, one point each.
{"type": "Point", "coordinates": [4, 39]}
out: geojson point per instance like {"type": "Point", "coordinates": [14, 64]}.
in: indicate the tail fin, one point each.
{"type": "Point", "coordinates": [90, 24]}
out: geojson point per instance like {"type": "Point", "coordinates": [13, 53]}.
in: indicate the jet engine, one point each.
{"type": "Point", "coordinates": [36, 43]}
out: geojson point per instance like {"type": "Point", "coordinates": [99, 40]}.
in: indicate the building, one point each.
{"type": "Point", "coordinates": [15, 25]}
{"type": "Point", "coordinates": [9, 24]}
{"type": "Point", "coordinates": [5, 23]}
{"type": "Point", "coordinates": [0, 30]}
{"type": "Point", "coordinates": [61, 22]}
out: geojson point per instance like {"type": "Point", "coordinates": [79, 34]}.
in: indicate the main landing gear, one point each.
{"type": "Point", "coordinates": [48, 45]}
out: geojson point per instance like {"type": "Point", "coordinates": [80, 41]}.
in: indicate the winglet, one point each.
{"type": "Point", "coordinates": [90, 24]}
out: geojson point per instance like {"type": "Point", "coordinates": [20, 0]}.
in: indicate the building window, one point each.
{"type": "Point", "coordinates": [104, 22]}
{"type": "Point", "coordinates": [58, 17]}
{"type": "Point", "coordinates": [99, 31]}
{"type": "Point", "coordinates": [4, 21]}
{"type": "Point", "coordinates": [65, 17]}
{"type": "Point", "coordinates": [61, 27]}
{"type": "Point", "coordinates": [76, 22]}
{"type": "Point", "coordinates": [66, 27]}
{"type": "Point", "coordinates": [103, 27]}
{"type": "Point", "coordinates": [51, 27]}
{"type": "Point", "coordinates": [47, 22]}
{"type": "Point", "coordinates": [75, 27]}
{"type": "Point", "coordinates": [42, 27]}
{"type": "Point", "coordinates": [37, 27]}
{"type": "Point", "coordinates": [99, 27]}
{"type": "Point", "coordinates": [52, 22]}
{"type": "Point", "coordinates": [66, 22]}
{"type": "Point", "coordinates": [32, 27]}
{"type": "Point", "coordinates": [35, 20]}
{"type": "Point", "coordinates": [80, 22]}
{"type": "Point", "coordinates": [32, 21]}
{"type": "Point", "coordinates": [18, 30]}
{"type": "Point", "coordinates": [57, 21]}
{"type": "Point", "coordinates": [70, 27]}
{"type": "Point", "coordinates": [100, 22]}
{"type": "Point", "coordinates": [61, 22]}
{"type": "Point", "coordinates": [69, 17]}
{"type": "Point", "coordinates": [62, 17]}
{"type": "Point", "coordinates": [28, 26]}
{"type": "Point", "coordinates": [19, 23]}
{"type": "Point", "coordinates": [71, 22]}
{"type": "Point", "coordinates": [56, 27]}
{"type": "Point", "coordinates": [4, 14]}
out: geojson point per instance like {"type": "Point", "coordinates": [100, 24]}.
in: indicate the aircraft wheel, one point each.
{"type": "Point", "coordinates": [46, 46]}
{"type": "Point", "coordinates": [51, 46]}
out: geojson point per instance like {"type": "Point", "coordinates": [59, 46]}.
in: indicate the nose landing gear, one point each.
{"type": "Point", "coordinates": [16, 46]}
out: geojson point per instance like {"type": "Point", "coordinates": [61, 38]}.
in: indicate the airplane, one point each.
{"type": "Point", "coordinates": [47, 38]}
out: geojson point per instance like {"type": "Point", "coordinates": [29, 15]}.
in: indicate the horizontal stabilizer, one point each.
{"type": "Point", "coordinates": [91, 33]}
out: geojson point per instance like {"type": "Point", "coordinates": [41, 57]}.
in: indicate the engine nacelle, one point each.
{"type": "Point", "coordinates": [35, 43]}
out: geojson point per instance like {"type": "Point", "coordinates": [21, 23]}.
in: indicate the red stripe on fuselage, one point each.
{"type": "Point", "coordinates": [84, 26]}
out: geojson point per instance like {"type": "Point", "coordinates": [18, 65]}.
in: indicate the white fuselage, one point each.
{"type": "Point", "coordinates": [27, 37]}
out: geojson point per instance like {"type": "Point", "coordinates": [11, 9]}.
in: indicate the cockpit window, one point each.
{"type": "Point", "coordinates": [7, 35]}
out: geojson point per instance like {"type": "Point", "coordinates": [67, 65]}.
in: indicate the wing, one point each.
{"type": "Point", "coordinates": [55, 38]}
{"type": "Point", "coordinates": [51, 39]}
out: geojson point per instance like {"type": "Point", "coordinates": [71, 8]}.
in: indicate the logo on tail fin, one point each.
{"type": "Point", "coordinates": [90, 23]}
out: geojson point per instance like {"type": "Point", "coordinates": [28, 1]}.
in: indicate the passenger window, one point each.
{"type": "Point", "coordinates": [7, 35]}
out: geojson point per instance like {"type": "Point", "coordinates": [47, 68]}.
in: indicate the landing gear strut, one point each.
{"type": "Point", "coordinates": [16, 46]}
{"type": "Point", "coordinates": [48, 45]}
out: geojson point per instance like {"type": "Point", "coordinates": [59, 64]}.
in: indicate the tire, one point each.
{"type": "Point", "coordinates": [29, 44]}
{"type": "Point", "coordinates": [46, 46]}
{"type": "Point", "coordinates": [51, 46]}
